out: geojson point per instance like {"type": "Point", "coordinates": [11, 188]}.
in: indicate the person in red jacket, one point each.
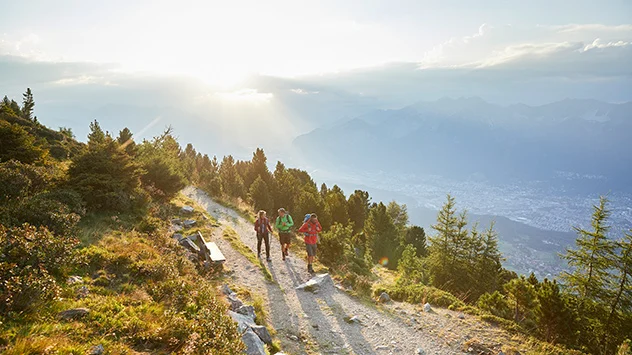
{"type": "Point", "coordinates": [311, 228]}
{"type": "Point", "coordinates": [263, 229]}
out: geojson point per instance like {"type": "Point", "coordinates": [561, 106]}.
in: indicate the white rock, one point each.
{"type": "Point", "coordinates": [317, 282]}
{"type": "Point", "coordinates": [420, 351]}
{"type": "Point", "coordinates": [461, 316]}
{"type": "Point", "coordinates": [384, 297]}
{"type": "Point", "coordinates": [74, 280]}
{"type": "Point", "coordinates": [187, 209]}
{"type": "Point", "coordinates": [427, 307]}
{"type": "Point", "coordinates": [97, 350]}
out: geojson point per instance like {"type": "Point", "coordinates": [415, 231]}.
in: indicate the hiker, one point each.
{"type": "Point", "coordinates": [263, 229]}
{"type": "Point", "coordinates": [284, 225]}
{"type": "Point", "coordinates": [311, 228]}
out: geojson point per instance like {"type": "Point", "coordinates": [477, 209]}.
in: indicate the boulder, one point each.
{"type": "Point", "coordinates": [235, 302]}
{"type": "Point", "coordinates": [427, 307]}
{"type": "Point", "coordinates": [97, 350]}
{"type": "Point", "coordinates": [263, 333]}
{"type": "Point", "coordinates": [243, 322]}
{"type": "Point", "coordinates": [226, 290]}
{"type": "Point", "coordinates": [254, 345]}
{"type": "Point", "coordinates": [461, 316]}
{"type": "Point", "coordinates": [248, 311]}
{"type": "Point", "coordinates": [188, 223]}
{"type": "Point", "coordinates": [74, 313]}
{"type": "Point", "coordinates": [384, 297]}
{"type": "Point", "coordinates": [187, 209]}
{"type": "Point", "coordinates": [317, 282]}
{"type": "Point", "coordinates": [74, 280]}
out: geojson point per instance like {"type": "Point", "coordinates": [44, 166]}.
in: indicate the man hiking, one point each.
{"type": "Point", "coordinates": [311, 228]}
{"type": "Point", "coordinates": [263, 229]}
{"type": "Point", "coordinates": [284, 225]}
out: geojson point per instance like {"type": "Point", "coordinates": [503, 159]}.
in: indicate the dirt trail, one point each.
{"type": "Point", "coordinates": [308, 323]}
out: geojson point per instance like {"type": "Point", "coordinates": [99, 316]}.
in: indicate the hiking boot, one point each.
{"type": "Point", "coordinates": [283, 257]}
{"type": "Point", "coordinates": [269, 259]}
{"type": "Point", "coordinates": [310, 269]}
{"type": "Point", "coordinates": [287, 252]}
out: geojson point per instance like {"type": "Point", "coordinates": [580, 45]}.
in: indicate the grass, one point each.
{"type": "Point", "coordinates": [144, 296]}
{"type": "Point", "coordinates": [231, 236]}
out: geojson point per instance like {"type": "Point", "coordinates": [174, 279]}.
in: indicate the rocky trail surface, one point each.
{"type": "Point", "coordinates": [327, 320]}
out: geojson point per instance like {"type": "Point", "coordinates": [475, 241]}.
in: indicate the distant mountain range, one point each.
{"type": "Point", "coordinates": [586, 141]}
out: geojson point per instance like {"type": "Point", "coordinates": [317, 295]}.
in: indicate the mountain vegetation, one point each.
{"type": "Point", "coordinates": [99, 210]}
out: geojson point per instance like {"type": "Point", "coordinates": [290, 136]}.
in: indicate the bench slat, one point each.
{"type": "Point", "coordinates": [215, 254]}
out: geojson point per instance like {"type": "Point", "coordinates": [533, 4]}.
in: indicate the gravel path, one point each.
{"type": "Point", "coordinates": [308, 323]}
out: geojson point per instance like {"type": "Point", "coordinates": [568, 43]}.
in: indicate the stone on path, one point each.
{"type": "Point", "coordinates": [244, 323]}
{"type": "Point", "coordinates": [254, 345]}
{"type": "Point", "coordinates": [248, 311]}
{"type": "Point", "coordinates": [263, 333]}
{"type": "Point", "coordinates": [420, 351]}
{"type": "Point", "coordinates": [187, 209]}
{"type": "Point", "coordinates": [384, 297]}
{"type": "Point", "coordinates": [427, 307]}
{"type": "Point", "coordinates": [317, 282]}
{"type": "Point", "coordinates": [461, 316]}
{"type": "Point", "coordinates": [74, 313]}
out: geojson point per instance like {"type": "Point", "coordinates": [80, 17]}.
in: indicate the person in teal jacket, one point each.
{"type": "Point", "coordinates": [284, 225]}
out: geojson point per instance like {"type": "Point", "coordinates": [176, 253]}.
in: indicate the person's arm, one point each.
{"type": "Point", "coordinates": [277, 223]}
{"type": "Point", "coordinates": [269, 227]}
{"type": "Point", "coordinates": [304, 228]}
{"type": "Point", "coordinates": [319, 228]}
{"type": "Point", "coordinates": [290, 221]}
{"type": "Point", "coordinates": [256, 229]}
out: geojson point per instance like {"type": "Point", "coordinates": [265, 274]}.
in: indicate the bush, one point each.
{"type": "Point", "coordinates": [19, 180]}
{"type": "Point", "coordinates": [164, 175]}
{"type": "Point", "coordinates": [106, 178]}
{"type": "Point", "coordinates": [495, 304]}
{"type": "Point", "coordinates": [31, 261]}
{"type": "Point", "coordinates": [422, 294]}
{"type": "Point", "coordinates": [18, 144]}
{"type": "Point", "coordinates": [332, 244]}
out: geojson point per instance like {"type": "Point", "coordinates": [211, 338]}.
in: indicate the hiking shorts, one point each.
{"type": "Point", "coordinates": [311, 249]}
{"type": "Point", "coordinates": [285, 237]}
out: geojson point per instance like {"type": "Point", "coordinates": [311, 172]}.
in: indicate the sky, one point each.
{"type": "Point", "coordinates": [247, 64]}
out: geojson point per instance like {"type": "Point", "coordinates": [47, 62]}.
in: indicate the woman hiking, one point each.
{"type": "Point", "coordinates": [263, 229]}
{"type": "Point", "coordinates": [284, 225]}
{"type": "Point", "coordinates": [311, 228]}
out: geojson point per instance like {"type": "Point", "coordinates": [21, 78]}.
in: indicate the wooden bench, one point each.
{"type": "Point", "coordinates": [209, 250]}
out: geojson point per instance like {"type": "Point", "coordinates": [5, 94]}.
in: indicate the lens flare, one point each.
{"type": "Point", "coordinates": [383, 261]}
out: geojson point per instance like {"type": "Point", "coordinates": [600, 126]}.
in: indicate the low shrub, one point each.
{"type": "Point", "coordinates": [32, 261]}
{"type": "Point", "coordinates": [421, 294]}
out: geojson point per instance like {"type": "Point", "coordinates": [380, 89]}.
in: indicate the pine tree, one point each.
{"type": "Point", "coordinates": [232, 182]}
{"type": "Point", "coordinates": [621, 288]}
{"type": "Point", "coordinates": [410, 267]}
{"type": "Point", "coordinates": [441, 247]}
{"type": "Point", "coordinates": [337, 203]}
{"type": "Point", "coordinates": [592, 259]}
{"type": "Point", "coordinates": [27, 105]}
{"type": "Point", "coordinates": [416, 237]}
{"type": "Point", "coordinates": [551, 312]}
{"type": "Point", "coordinates": [5, 107]}
{"type": "Point", "coordinates": [399, 214]}
{"type": "Point", "coordinates": [18, 144]}
{"type": "Point", "coordinates": [126, 141]}
{"type": "Point", "coordinates": [522, 296]}
{"type": "Point", "coordinates": [96, 137]}
{"type": "Point", "coordinates": [382, 236]}
{"type": "Point", "coordinates": [260, 195]}
{"type": "Point", "coordinates": [358, 207]}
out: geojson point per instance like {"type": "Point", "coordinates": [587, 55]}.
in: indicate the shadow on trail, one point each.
{"type": "Point", "coordinates": [350, 335]}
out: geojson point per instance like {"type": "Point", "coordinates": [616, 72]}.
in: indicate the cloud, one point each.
{"type": "Point", "coordinates": [569, 50]}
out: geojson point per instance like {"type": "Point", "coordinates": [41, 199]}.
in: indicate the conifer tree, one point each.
{"type": "Point", "coordinates": [592, 259]}
{"type": "Point", "coordinates": [416, 237]}
{"type": "Point", "coordinates": [27, 105]}
{"type": "Point", "coordinates": [382, 236]}
{"type": "Point", "coordinates": [551, 312]}
{"type": "Point", "coordinates": [337, 203]}
{"type": "Point", "coordinates": [441, 247]}
{"type": "Point", "coordinates": [126, 141]}
{"type": "Point", "coordinates": [260, 195]}
{"type": "Point", "coordinates": [96, 137]}
{"type": "Point", "coordinates": [621, 288]}
{"type": "Point", "coordinates": [358, 207]}
{"type": "Point", "coordinates": [399, 214]}
{"type": "Point", "coordinates": [522, 298]}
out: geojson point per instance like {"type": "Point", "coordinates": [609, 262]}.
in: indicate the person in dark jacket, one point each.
{"type": "Point", "coordinates": [263, 229]}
